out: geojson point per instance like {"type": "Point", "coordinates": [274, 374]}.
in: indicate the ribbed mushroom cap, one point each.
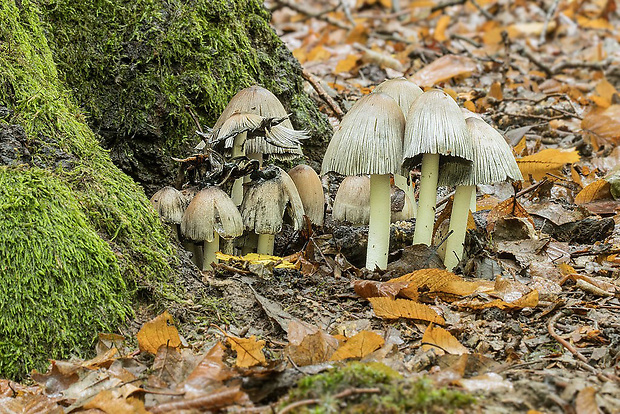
{"type": "Point", "coordinates": [210, 211]}
{"type": "Point", "coordinates": [258, 100]}
{"type": "Point", "coordinates": [352, 202]}
{"type": "Point", "coordinates": [310, 191]}
{"type": "Point", "coordinates": [403, 91]}
{"type": "Point", "coordinates": [493, 159]}
{"type": "Point", "coordinates": [170, 204]}
{"type": "Point", "coordinates": [266, 201]}
{"type": "Point", "coordinates": [369, 139]}
{"type": "Point", "coordinates": [435, 125]}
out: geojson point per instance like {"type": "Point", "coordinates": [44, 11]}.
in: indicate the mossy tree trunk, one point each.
{"type": "Point", "coordinates": [147, 71]}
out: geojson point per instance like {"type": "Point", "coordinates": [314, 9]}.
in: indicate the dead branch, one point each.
{"type": "Point", "coordinates": [323, 94]}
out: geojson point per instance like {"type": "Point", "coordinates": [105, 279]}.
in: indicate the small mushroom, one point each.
{"type": "Point", "coordinates": [170, 204]}
{"type": "Point", "coordinates": [369, 141]}
{"type": "Point", "coordinates": [493, 162]}
{"type": "Point", "coordinates": [211, 215]}
{"type": "Point", "coordinates": [352, 201]}
{"type": "Point", "coordinates": [435, 132]}
{"type": "Point", "coordinates": [310, 191]}
{"type": "Point", "coordinates": [265, 204]}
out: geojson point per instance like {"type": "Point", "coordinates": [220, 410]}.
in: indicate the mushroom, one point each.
{"type": "Point", "coordinates": [211, 215]}
{"type": "Point", "coordinates": [369, 141]}
{"type": "Point", "coordinates": [170, 204]}
{"type": "Point", "coordinates": [435, 132]}
{"type": "Point", "coordinates": [492, 162]}
{"type": "Point", "coordinates": [266, 201]}
{"type": "Point", "coordinates": [310, 191]}
{"type": "Point", "coordinates": [352, 201]}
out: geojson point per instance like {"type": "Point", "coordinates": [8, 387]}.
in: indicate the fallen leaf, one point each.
{"type": "Point", "coordinates": [603, 126]}
{"type": "Point", "coordinates": [373, 289]}
{"type": "Point", "coordinates": [358, 346]}
{"type": "Point", "coordinates": [249, 351]}
{"type": "Point", "coordinates": [347, 64]}
{"type": "Point", "coordinates": [211, 369]}
{"type": "Point", "coordinates": [443, 69]}
{"type": "Point", "coordinates": [111, 402]}
{"type": "Point", "coordinates": [550, 160]}
{"type": "Point", "coordinates": [403, 308]}
{"type": "Point", "coordinates": [315, 348]}
{"type": "Point", "coordinates": [29, 404]}
{"type": "Point", "coordinates": [507, 208]}
{"type": "Point", "coordinates": [157, 332]}
{"type": "Point", "coordinates": [585, 403]}
{"type": "Point", "coordinates": [441, 341]}
{"type": "Point", "coordinates": [598, 190]}
{"type": "Point", "coordinates": [440, 28]}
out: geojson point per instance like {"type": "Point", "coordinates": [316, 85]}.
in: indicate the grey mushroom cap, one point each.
{"type": "Point", "coordinates": [493, 159]}
{"type": "Point", "coordinates": [369, 139]}
{"type": "Point", "coordinates": [310, 191]}
{"type": "Point", "coordinates": [170, 204]}
{"type": "Point", "coordinates": [402, 90]}
{"type": "Point", "coordinates": [436, 125]}
{"type": "Point", "coordinates": [266, 202]}
{"type": "Point", "coordinates": [352, 201]}
{"type": "Point", "coordinates": [260, 101]}
{"type": "Point", "coordinates": [210, 211]}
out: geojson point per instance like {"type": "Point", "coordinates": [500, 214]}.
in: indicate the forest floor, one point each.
{"type": "Point", "coordinates": [530, 322]}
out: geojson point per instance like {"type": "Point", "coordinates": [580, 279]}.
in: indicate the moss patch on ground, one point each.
{"type": "Point", "coordinates": [395, 394]}
{"type": "Point", "coordinates": [78, 238]}
{"type": "Point", "coordinates": [147, 70]}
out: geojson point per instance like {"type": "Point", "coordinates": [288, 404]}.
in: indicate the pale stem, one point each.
{"type": "Point", "coordinates": [237, 151]}
{"type": "Point", "coordinates": [265, 244]}
{"type": "Point", "coordinates": [401, 182]}
{"type": "Point", "coordinates": [209, 251]}
{"type": "Point", "coordinates": [458, 225]}
{"type": "Point", "coordinates": [425, 217]}
{"type": "Point", "coordinates": [472, 205]}
{"type": "Point", "coordinates": [196, 251]}
{"type": "Point", "coordinates": [379, 227]}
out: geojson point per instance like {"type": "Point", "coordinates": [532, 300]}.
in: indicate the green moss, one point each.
{"type": "Point", "coordinates": [100, 239]}
{"type": "Point", "coordinates": [397, 395]}
{"type": "Point", "coordinates": [142, 67]}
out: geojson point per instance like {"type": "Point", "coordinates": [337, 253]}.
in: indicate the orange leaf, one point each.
{"type": "Point", "coordinates": [598, 190]}
{"type": "Point", "coordinates": [347, 64]}
{"type": "Point", "coordinates": [359, 346]}
{"type": "Point", "coordinates": [249, 351]}
{"type": "Point", "coordinates": [373, 289]}
{"type": "Point", "coordinates": [605, 91]}
{"type": "Point", "coordinates": [507, 208]}
{"type": "Point", "coordinates": [585, 403]}
{"type": "Point", "coordinates": [441, 340]}
{"type": "Point", "coordinates": [443, 69]}
{"type": "Point", "coordinates": [527, 301]}
{"type": "Point", "coordinates": [440, 29]}
{"type": "Point", "coordinates": [603, 126]}
{"type": "Point", "coordinates": [313, 349]}
{"type": "Point", "coordinates": [549, 160]}
{"type": "Point", "coordinates": [496, 91]}
{"type": "Point", "coordinates": [403, 308]}
{"type": "Point", "coordinates": [160, 331]}
{"type": "Point", "coordinates": [318, 53]}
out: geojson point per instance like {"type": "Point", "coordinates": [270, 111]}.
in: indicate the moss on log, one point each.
{"type": "Point", "coordinates": [147, 70]}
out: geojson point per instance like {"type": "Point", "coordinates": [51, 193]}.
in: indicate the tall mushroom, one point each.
{"type": "Point", "coordinates": [310, 191]}
{"type": "Point", "coordinates": [492, 162]}
{"type": "Point", "coordinates": [211, 215]}
{"type": "Point", "coordinates": [435, 132]}
{"type": "Point", "coordinates": [265, 203]}
{"type": "Point", "coordinates": [369, 141]}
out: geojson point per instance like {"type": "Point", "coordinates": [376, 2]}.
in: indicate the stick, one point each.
{"type": "Point", "coordinates": [323, 94]}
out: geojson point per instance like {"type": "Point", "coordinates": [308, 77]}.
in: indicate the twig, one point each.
{"type": "Point", "coordinates": [550, 14]}
{"type": "Point", "coordinates": [343, 394]}
{"type": "Point", "coordinates": [602, 65]}
{"type": "Point", "coordinates": [323, 94]}
{"type": "Point", "coordinates": [526, 52]}
{"type": "Point", "coordinates": [484, 12]}
{"type": "Point", "coordinates": [320, 16]}
{"type": "Point", "coordinates": [466, 40]}
{"type": "Point", "coordinates": [447, 4]}
{"type": "Point", "coordinates": [194, 117]}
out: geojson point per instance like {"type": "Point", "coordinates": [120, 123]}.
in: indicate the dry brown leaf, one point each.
{"type": "Point", "coordinates": [315, 348]}
{"type": "Point", "coordinates": [443, 69]}
{"type": "Point", "coordinates": [598, 190]}
{"type": "Point", "coordinates": [507, 208]}
{"type": "Point", "coordinates": [603, 126]}
{"type": "Point", "coordinates": [585, 403]}
{"type": "Point", "coordinates": [528, 301]}
{"type": "Point", "coordinates": [210, 369]}
{"type": "Point", "coordinates": [403, 308]}
{"type": "Point", "coordinates": [605, 92]}
{"type": "Point", "coordinates": [358, 346]}
{"type": "Point", "coordinates": [249, 351]}
{"type": "Point", "coordinates": [111, 402]}
{"type": "Point", "coordinates": [373, 289]}
{"type": "Point", "coordinates": [521, 147]}
{"type": "Point", "coordinates": [496, 91]}
{"type": "Point", "coordinates": [550, 160]}
{"type": "Point", "coordinates": [157, 332]}
{"type": "Point", "coordinates": [440, 29]}
{"type": "Point", "coordinates": [29, 404]}
{"type": "Point", "coordinates": [441, 281]}
{"type": "Point", "coordinates": [441, 341]}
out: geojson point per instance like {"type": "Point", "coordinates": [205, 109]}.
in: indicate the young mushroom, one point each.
{"type": "Point", "coordinates": [435, 132]}
{"type": "Point", "coordinates": [211, 215]}
{"type": "Point", "coordinates": [265, 203]}
{"type": "Point", "coordinates": [170, 204]}
{"type": "Point", "coordinates": [352, 201]}
{"type": "Point", "coordinates": [369, 141]}
{"type": "Point", "coordinates": [310, 191]}
{"type": "Point", "coordinates": [492, 162]}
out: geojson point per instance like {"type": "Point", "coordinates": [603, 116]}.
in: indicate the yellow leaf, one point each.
{"type": "Point", "coordinates": [470, 105]}
{"type": "Point", "coordinates": [520, 148]}
{"type": "Point", "coordinates": [605, 91]}
{"type": "Point", "coordinates": [443, 69]}
{"type": "Point", "coordinates": [496, 91]}
{"type": "Point", "coordinates": [318, 53]}
{"type": "Point", "coordinates": [549, 160]}
{"type": "Point", "coordinates": [403, 308]}
{"type": "Point", "coordinates": [249, 351]}
{"type": "Point", "coordinates": [358, 346]}
{"type": "Point", "coordinates": [157, 332]}
{"type": "Point", "coordinates": [529, 300]}
{"type": "Point", "coordinates": [255, 258]}
{"type": "Point", "coordinates": [313, 349]}
{"type": "Point", "coordinates": [440, 281]}
{"type": "Point", "coordinates": [441, 341]}
{"type": "Point", "coordinates": [598, 190]}
{"type": "Point", "coordinates": [347, 64]}
{"type": "Point", "coordinates": [440, 29]}
{"type": "Point", "coordinates": [359, 34]}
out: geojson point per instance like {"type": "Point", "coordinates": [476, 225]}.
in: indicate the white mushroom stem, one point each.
{"type": "Point", "coordinates": [238, 151]}
{"type": "Point", "coordinates": [425, 217]}
{"type": "Point", "coordinates": [401, 182]}
{"type": "Point", "coordinates": [458, 225]}
{"type": "Point", "coordinates": [379, 227]}
{"type": "Point", "coordinates": [210, 248]}
{"type": "Point", "coordinates": [265, 244]}
{"type": "Point", "coordinates": [472, 204]}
